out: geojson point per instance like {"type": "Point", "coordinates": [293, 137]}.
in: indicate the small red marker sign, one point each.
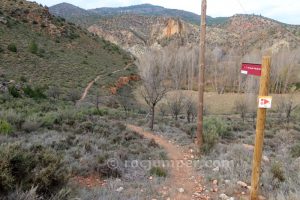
{"type": "Point", "coordinates": [265, 102]}
{"type": "Point", "coordinates": [251, 69]}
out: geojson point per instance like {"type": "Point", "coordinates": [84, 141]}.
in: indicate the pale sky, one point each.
{"type": "Point", "coordinates": [287, 11]}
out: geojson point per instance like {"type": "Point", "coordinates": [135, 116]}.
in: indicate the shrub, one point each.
{"type": "Point", "coordinates": [23, 79]}
{"type": "Point", "coordinates": [101, 112]}
{"type": "Point", "coordinates": [277, 171]}
{"type": "Point", "coordinates": [12, 117]}
{"type": "Point", "coordinates": [31, 167]}
{"type": "Point", "coordinates": [295, 151]}
{"type": "Point", "coordinates": [241, 107]}
{"type": "Point", "coordinates": [18, 194]}
{"type": "Point", "coordinates": [216, 125]}
{"type": "Point", "coordinates": [210, 139]}
{"type": "Point", "coordinates": [191, 110]}
{"type": "Point", "coordinates": [190, 129]}
{"type": "Point", "coordinates": [214, 128]}
{"type": "Point", "coordinates": [54, 92]}
{"type": "Point", "coordinates": [74, 96]}
{"type": "Point", "coordinates": [13, 91]}
{"type": "Point", "coordinates": [50, 119]}
{"type": "Point", "coordinates": [158, 171]}
{"type": "Point", "coordinates": [31, 124]}
{"type": "Point", "coordinates": [36, 93]}
{"type": "Point", "coordinates": [33, 47]}
{"type": "Point", "coordinates": [5, 127]}
{"type": "Point", "coordinates": [1, 50]}
{"type": "Point", "coordinates": [12, 47]}
{"type": "Point", "coordinates": [176, 105]}
{"type": "Point", "coordinates": [85, 127]}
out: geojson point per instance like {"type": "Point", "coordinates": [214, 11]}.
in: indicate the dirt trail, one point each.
{"type": "Point", "coordinates": [90, 84]}
{"type": "Point", "coordinates": [180, 177]}
{"type": "Point", "coordinates": [88, 87]}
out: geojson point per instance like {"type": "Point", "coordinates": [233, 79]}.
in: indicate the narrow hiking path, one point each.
{"type": "Point", "coordinates": [88, 87]}
{"type": "Point", "coordinates": [90, 84]}
{"type": "Point", "coordinates": [183, 182]}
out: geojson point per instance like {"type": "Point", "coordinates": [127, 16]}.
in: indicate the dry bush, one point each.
{"type": "Point", "coordinates": [191, 109]}
{"type": "Point", "coordinates": [286, 107]}
{"type": "Point", "coordinates": [176, 105]}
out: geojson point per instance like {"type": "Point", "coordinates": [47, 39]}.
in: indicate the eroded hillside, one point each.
{"type": "Point", "coordinates": [241, 32]}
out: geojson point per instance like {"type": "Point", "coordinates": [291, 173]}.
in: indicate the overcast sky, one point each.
{"type": "Point", "coordinates": [287, 11]}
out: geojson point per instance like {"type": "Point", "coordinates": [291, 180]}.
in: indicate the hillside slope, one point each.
{"type": "Point", "coordinates": [46, 50]}
{"type": "Point", "coordinates": [241, 32]}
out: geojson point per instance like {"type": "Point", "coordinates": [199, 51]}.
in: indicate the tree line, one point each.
{"type": "Point", "coordinates": [177, 68]}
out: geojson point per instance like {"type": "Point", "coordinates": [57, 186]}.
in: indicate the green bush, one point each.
{"type": "Point", "coordinates": [12, 117]}
{"type": "Point", "coordinates": [210, 139]}
{"type": "Point", "coordinates": [1, 50]}
{"type": "Point", "coordinates": [13, 91]}
{"type": "Point", "coordinates": [217, 125]}
{"type": "Point", "coordinates": [12, 47]}
{"type": "Point", "coordinates": [50, 119]}
{"type": "Point", "coordinates": [295, 151]}
{"type": "Point", "coordinates": [33, 47]}
{"type": "Point", "coordinates": [5, 127]}
{"type": "Point", "coordinates": [34, 167]}
{"type": "Point", "coordinates": [101, 112]}
{"type": "Point", "coordinates": [158, 171]}
{"type": "Point", "coordinates": [214, 128]}
{"type": "Point", "coordinates": [36, 93]}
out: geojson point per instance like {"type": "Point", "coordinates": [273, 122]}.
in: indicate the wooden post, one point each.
{"type": "Point", "coordinates": [260, 127]}
{"type": "Point", "coordinates": [201, 74]}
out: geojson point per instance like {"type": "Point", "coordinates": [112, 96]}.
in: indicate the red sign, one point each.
{"type": "Point", "coordinates": [265, 102]}
{"type": "Point", "coordinates": [251, 69]}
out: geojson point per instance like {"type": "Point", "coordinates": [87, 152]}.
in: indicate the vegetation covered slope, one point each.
{"type": "Point", "coordinates": [45, 50]}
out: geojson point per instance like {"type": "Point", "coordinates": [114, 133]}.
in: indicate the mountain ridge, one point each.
{"type": "Point", "coordinates": [140, 9]}
{"type": "Point", "coordinates": [146, 9]}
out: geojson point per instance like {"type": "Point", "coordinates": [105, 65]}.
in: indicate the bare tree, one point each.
{"type": "Point", "coordinates": [285, 107]}
{"type": "Point", "coordinates": [175, 104]}
{"type": "Point", "coordinates": [179, 66]}
{"type": "Point", "coordinates": [152, 68]}
{"type": "Point", "coordinates": [283, 69]}
{"type": "Point", "coordinates": [163, 109]}
{"type": "Point", "coordinates": [241, 107]}
{"type": "Point", "coordinates": [190, 110]}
